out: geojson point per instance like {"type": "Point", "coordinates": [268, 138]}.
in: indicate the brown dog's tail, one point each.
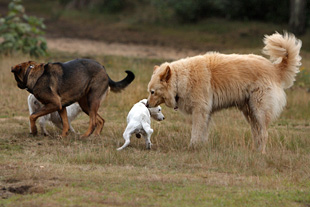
{"type": "Point", "coordinates": [120, 85]}
{"type": "Point", "coordinates": [284, 53]}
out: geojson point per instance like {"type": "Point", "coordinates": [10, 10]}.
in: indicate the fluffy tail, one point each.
{"type": "Point", "coordinates": [284, 53]}
{"type": "Point", "coordinates": [120, 85]}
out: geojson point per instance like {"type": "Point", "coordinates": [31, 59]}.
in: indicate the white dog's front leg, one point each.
{"type": "Point", "coordinates": [149, 131]}
{"type": "Point", "coordinates": [200, 123]}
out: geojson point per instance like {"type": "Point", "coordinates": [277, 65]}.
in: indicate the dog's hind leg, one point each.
{"type": "Point", "coordinates": [71, 128]}
{"type": "Point", "coordinates": [149, 131]}
{"type": "Point", "coordinates": [94, 106]}
{"type": "Point", "coordinates": [92, 124]}
{"type": "Point", "coordinates": [90, 104]}
{"type": "Point", "coordinates": [65, 121]}
{"type": "Point", "coordinates": [259, 120]}
{"type": "Point", "coordinates": [126, 135]}
{"type": "Point", "coordinates": [42, 122]}
{"type": "Point", "coordinates": [83, 102]}
{"type": "Point", "coordinates": [99, 125]}
{"type": "Point", "coordinates": [100, 121]}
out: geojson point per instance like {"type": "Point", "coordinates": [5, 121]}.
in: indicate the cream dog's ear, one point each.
{"type": "Point", "coordinates": [155, 68]}
{"type": "Point", "coordinates": [166, 75]}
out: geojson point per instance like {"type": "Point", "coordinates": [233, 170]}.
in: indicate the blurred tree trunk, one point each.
{"type": "Point", "coordinates": [297, 22]}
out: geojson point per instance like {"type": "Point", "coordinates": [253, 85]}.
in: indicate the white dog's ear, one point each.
{"type": "Point", "coordinates": [144, 101]}
{"type": "Point", "coordinates": [166, 75]}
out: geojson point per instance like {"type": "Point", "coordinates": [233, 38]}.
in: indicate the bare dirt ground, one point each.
{"type": "Point", "coordinates": [94, 47]}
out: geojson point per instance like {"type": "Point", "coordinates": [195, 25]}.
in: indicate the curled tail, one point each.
{"type": "Point", "coordinates": [284, 53]}
{"type": "Point", "coordinates": [120, 85]}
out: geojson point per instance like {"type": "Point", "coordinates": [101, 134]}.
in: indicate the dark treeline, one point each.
{"type": "Point", "coordinates": [277, 11]}
{"type": "Point", "coordinates": [296, 13]}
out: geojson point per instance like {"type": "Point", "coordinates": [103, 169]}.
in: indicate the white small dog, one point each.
{"type": "Point", "coordinates": [139, 122]}
{"type": "Point", "coordinates": [72, 112]}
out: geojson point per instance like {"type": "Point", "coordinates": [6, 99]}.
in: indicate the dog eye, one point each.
{"type": "Point", "coordinates": [152, 92]}
{"type": "Point", "coordinates": [159, 110]}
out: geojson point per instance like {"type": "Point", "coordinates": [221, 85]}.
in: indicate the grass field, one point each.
{"type": "Point", "coordinates": [47, 171]}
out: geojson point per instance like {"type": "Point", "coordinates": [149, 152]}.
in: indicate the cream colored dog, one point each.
{"type": "Point", "coordinates": [204, 84]}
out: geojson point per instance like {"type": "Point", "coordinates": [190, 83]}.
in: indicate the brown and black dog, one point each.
{"type": "Point", "coordinates": [58, 85]}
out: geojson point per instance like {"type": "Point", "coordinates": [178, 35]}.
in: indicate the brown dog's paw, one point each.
{"type": "Point", "coordinates": [64, 133]}
{"type": "Point", "coordinates": [34, 133]}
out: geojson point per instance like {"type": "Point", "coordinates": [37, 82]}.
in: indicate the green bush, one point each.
{"type": "Point", "coordinates": [21, 32]}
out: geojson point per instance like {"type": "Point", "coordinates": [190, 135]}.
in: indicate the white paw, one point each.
{"type": "Point", "coordinates": [148, 145]}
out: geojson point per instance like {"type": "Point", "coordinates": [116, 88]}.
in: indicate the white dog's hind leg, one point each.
{"type": "Point", "coordinates": [71, 128]}
{"type": "Point", "coordinates": [149, 131]}
{"type": "Point", "coordinates": [127, 133]}
{"type": "Point", "coordinates": [42, 121]}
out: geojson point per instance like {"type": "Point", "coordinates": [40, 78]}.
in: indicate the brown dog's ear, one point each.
{"type": "Point", "coordinates": [165, 76]}
{"type": "Point", "coordinates": [15, 69]}
{"type": "Point", "coordinates": [47, 66]}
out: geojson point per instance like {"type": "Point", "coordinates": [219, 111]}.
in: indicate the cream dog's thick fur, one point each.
{"type": "Point", "coordinates": [204, 84]}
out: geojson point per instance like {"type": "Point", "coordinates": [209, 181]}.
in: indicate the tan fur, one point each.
{"type": "Point", "coordinates": [207, 83]}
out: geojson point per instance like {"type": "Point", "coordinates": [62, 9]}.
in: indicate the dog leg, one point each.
{"type": "Point", "coordinates": [100, 123]}
{"type": "Point", "coordinates": [42, 122]}
{"type": "Point", "coordinates": [259, 121]}
{"type": "Point", "coordinates": [91, 126]}
{"type": "Point", "coordinates": [91, 111]}
{"type": "Point", "coordinates": [100, 120]}
{"type": "Point", "coordinates": [65, 121]}
{"type": "Point", "coordinates": [31, 110]}
{"type": "Point", "coordinates": [260, 135]}
{"type": "Point", "coordinates": [259, 127]}
{"type": "Point", "coordinates": [83, 102]}
{"type": "Point", "coordinates": [46, 109]}
{"type": "Point", "coordinates": [92, 123]}
{"type": "Point", "coordinates": [71, 128]}
{"type": "Point", "coordinates": [200, 123]}
{"type": "Point", "coordinates": [126, 135]}
{"type": "Point", "coordinates": [149, 131]}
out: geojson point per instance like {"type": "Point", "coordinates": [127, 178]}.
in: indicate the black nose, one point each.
{"type": "Point", "coordinates": [164, 118]}
{"type": "Point", "coordinates": [147, 104]}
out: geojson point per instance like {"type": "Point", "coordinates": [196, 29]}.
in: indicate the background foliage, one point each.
{"type": "Point", "coordinates": [195, 10]}
{"type": "Point", "coordinates": [21, 32]}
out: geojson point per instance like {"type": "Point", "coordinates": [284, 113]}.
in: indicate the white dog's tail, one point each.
{"type": "Point", "coordinates": [284, 52]}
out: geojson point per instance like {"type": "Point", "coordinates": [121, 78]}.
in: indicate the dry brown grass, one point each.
{"type": "Point", "coordinates": [52, 172]}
